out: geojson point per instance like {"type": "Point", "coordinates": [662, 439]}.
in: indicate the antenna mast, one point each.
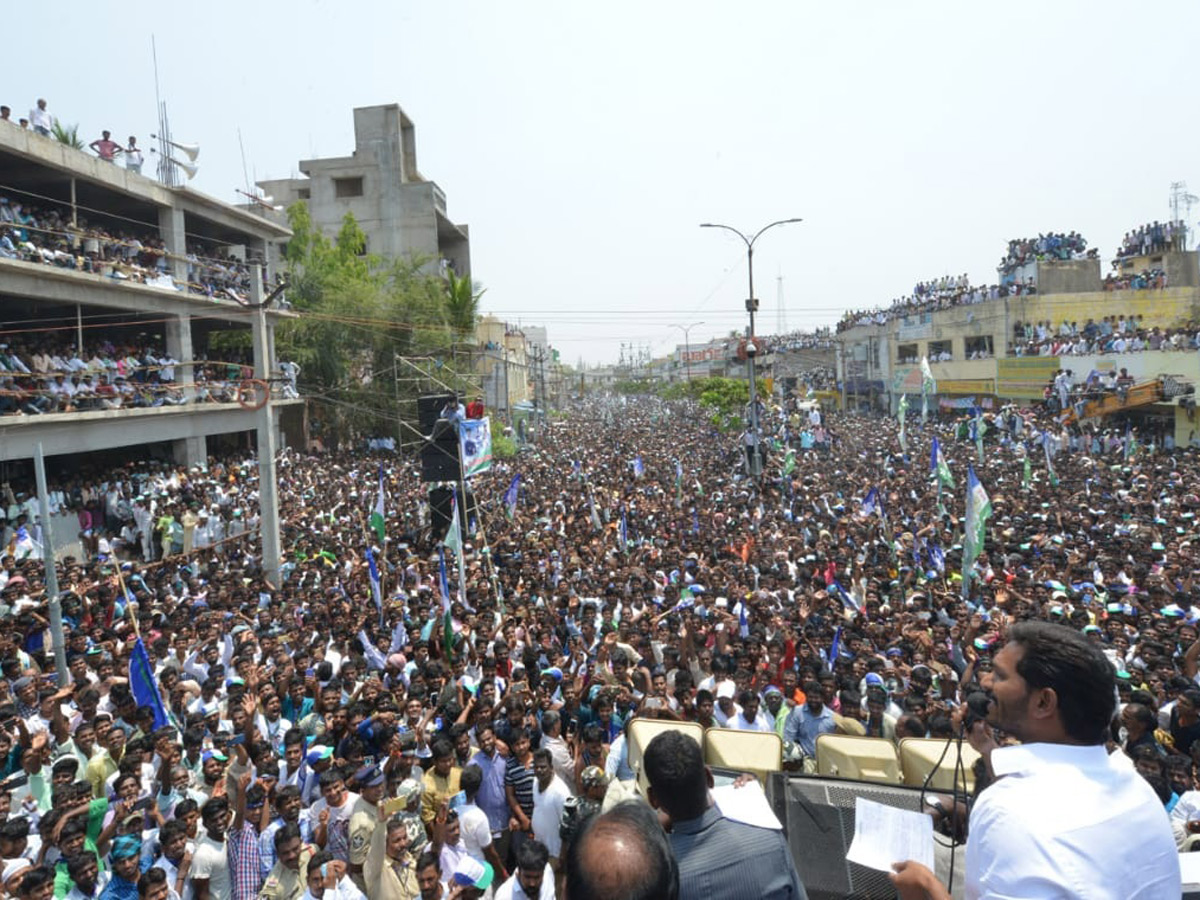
{"type": "Point", "coordinates": [1181, 198]}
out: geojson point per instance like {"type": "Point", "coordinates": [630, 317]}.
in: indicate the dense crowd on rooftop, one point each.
{"type": "Point", "coordinates": [817, 339]}
{"type": "Point", "coordinates": [950, 291]}
{"type": "Point", "coordinates": [928, 297]}
{"type": "Point", "coordinates": [1023, 251]}
{"type": "Point", "coordinates": [1154, 237]}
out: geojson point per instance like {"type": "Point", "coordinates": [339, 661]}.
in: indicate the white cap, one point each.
{"type": "Point", "coordinates": [15, 867]}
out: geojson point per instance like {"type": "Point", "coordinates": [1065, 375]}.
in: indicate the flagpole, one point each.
{"type": "Point", "coordinates": [382, 557]}
{"type": "Point", "coordinates": [49, 568]}
{"type": "Point", "coordinates": [488, 563]}
{"type": "Point", "coordinates": [462, 484]}
{"type": "Point", "coordinates": [381, 568]}
{"type": "Point", "coordinates": [125, 596]}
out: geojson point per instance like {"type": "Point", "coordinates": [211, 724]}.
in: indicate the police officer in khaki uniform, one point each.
{"type": "Point", "coordinates": [390, 868]}
{"type": "Point", "coordinates": [287, 878]}
{"type": "Point", "coordinates": [363, 819]}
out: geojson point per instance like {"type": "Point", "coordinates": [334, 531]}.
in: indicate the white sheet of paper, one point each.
{"type": "Point", "coordinates": [1189, 868]}
{"type": "Point", "coordinates": [884, 835]}
{"type": "Point", "coordinates": [747, 804]}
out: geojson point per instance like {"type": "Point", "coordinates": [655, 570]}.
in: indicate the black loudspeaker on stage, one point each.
{"type": "Point", "coordinates": [818, 819]}
{"type": "Point", "coordinates": [429, 407]}
{"type": "Point", "coordinates": [439, 456]}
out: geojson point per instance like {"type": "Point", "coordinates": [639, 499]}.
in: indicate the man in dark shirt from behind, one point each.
{"type": "Point", "coordinates": [717, 857]}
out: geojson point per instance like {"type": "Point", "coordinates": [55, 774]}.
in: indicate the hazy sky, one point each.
{"type": "Point", "coordinates": [584, 143]}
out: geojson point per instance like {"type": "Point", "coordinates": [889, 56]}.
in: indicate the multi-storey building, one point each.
{"type": "Point", "coordinates": [143, 292]}
{"type": "Point", "coordinates": [402, 213]}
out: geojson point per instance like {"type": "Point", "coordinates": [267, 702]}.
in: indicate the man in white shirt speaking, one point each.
{"type": "Point", "coordinates": [1064, 819]}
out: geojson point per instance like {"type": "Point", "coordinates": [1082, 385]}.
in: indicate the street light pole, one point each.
{"type": "Point", "coordinates": [751, 308]}
{"type": "Point", "coordinates": [687, 347]}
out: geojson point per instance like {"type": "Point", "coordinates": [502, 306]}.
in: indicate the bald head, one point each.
{"type": "Point", "coordinates": [631, 833]}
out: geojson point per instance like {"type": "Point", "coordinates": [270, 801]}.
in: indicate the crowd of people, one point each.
{"type": "Point", "coordinates": [934, 298]}
{"type": "Point", "coordinates": [1148, 279]}
{"type": "Point", "coordinates": [949, 291]}
{"type": "Point", "coordinates": [324, 731]}
{"type": "Point", "coordinates": [47, 233]}
{"type": "Point", "coordinates": [49, 375]}
{"type": "Point", "coordinates": [816, 339]}
{"type": "Point", "coordinates": [1111, 334]}
{"type": "Point", "coordinates": [1154, 237]}
{"type": "Point", "coordinates": [1023, 251]}
{"type": "Point", "coordinates": [946, 286]}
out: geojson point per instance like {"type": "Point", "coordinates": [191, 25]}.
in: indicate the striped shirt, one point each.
{"type": "Point", "coordinates": [520, 779]}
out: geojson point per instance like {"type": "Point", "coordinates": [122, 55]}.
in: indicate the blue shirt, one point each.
{"type": "Point", "coordinates": [119, 889]}
{"type": "Point", "coordinates": [803, 726]}
{"type": "Point", "coordinates": [294, 714]}
{"type": "Point", "coordinates": [491, 798]}
{"type": "Point", "coordinates": [617, 763]}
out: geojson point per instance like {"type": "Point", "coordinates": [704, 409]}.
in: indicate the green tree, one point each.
{"type": "Point", "coordinates": [462, 303]}
{"type": "Point", "coordinates": [356, 314]}
{"type": "Point", "coordinates": [724, 399]}
{"type": "Point", "coordinates": [462, 311]}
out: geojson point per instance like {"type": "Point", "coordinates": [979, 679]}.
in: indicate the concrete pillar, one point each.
{"type": "Point", "coordinates": [190, 452]}
{"type": "Point", "coordinates": [257, 248]}
{"type": "Point", "coordinates": [273, 367]}
{"type": "Point", "coordinates": [179, 346]}
{"type": "Point", "coordinates": [268, 486]}
{"type": "Point", "coordinates": [170, 227]}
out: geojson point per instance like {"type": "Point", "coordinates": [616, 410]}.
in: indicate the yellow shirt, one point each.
{"type": "Point", "coordinates": [437, 791]}
{"type": "Point", "coordinates": [98, 770]}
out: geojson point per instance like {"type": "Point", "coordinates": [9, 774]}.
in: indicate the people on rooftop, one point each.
{"type": "Point", "coordinates": [1154, 237]}
{"type": "Point", "coordinates": [1023, 251]}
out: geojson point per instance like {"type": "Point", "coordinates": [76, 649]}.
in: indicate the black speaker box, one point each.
{"type": "Point", "coordinates": [429, 406]}
{"type": "Point", "coordinates": [818, 819]}
{"type": "Point", "coordinates": [439, 460]}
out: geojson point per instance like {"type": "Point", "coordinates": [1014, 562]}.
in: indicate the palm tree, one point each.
{"type": "Point", "coordinates": [462, 303]}
{"type": "Point", "coordinates": [67, 134]}
{"type": "Point", "coordinates": [462, 306]}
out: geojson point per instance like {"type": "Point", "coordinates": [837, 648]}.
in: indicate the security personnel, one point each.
{"type": "Point", "coordinates": [363, 819]}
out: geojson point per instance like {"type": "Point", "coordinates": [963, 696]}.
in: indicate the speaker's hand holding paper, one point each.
{"type": "Point", "coordinates": [884, 835]}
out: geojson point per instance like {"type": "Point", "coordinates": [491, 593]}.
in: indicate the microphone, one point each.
{"type": "Point", "coordinates": [977, 706]}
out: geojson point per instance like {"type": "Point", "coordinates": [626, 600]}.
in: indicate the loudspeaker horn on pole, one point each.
{"type": "Point", "coordinates": [190, 169]}
{"type": "Point", "coordinates": [191, 151]}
